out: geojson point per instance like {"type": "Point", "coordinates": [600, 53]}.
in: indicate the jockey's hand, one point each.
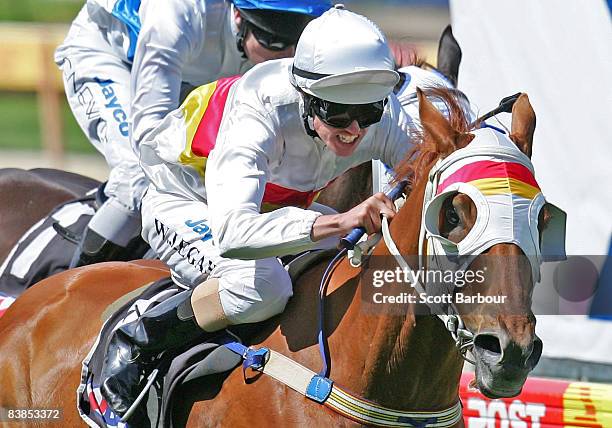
{"type": "Point", "coordinates": [366, 214]}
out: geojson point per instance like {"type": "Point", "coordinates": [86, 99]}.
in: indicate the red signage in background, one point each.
{"type": "Point", "coordinates": [543, 403]}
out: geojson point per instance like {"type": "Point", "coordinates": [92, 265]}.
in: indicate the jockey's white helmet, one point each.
{"type": "Point", "coordinates": [344, 58]}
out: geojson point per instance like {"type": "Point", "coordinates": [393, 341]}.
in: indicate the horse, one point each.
{"type": "Point", "coordinates": [29, 195]}
{"type": "Point", "coordinates": [393, 360]}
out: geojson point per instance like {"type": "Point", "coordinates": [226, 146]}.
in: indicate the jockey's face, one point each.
{"type": "Point", "coordinates": [254, 51]}
{"type": "Point", "coordinates": [341, 141]}
{"type": "Point", "coordinates": [257, 53]}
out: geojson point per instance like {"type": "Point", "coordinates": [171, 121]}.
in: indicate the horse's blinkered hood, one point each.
{"type": "Point", "coordinates": [500, 181]}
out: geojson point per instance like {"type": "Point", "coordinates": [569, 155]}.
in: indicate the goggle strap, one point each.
{"type": "Point", "coordinates": [308, 116]}
{"type": "Point", "coordinates": [240, 39]}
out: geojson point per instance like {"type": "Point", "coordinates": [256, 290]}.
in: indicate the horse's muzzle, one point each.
{"type": "Point", "coordinates": [502, 365]}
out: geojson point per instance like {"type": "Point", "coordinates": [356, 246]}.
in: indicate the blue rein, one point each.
{"type": "Point", "coordinates": [323, 346]}
{"type": "Point", "coordinates": [348, 242]}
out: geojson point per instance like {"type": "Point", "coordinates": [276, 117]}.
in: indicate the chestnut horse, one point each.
{"type": "Point", "coordinates": [399, 361]}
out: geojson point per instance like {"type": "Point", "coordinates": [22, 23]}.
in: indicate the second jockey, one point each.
{"type": "Point", "coordinates": [233, 173]}
{"type": "Point", "coordinates": [124, 63]}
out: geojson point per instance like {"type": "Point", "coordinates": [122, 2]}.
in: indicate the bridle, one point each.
{"type": "Point", "coordinates": [483, 235]}
{"type": "Point", "coordinates": [463, 338]}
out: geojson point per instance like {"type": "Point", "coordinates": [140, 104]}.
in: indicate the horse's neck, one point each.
{"type": "Point", "coordinates": [412, 362]}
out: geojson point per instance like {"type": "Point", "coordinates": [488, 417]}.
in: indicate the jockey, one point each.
{"type": "Point", "coordinates": [125, 64]}
{"type": "Point", "coordinates": [233, 173]}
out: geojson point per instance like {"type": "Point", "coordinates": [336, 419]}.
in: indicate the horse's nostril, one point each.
{"type": "Point", "coordinates": [489, 343]}
{"type": "Point", "coordinates": [536, 353]}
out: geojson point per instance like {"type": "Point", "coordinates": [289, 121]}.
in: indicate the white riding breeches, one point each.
{"type": "Point", "coordinates": [97, 85]}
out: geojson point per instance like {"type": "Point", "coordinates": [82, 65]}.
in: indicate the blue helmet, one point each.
{"type": "Point", "coordinates": [307, 7]}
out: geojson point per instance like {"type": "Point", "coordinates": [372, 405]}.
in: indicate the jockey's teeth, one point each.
{"type": "Point", "coordinates": [346, 139]}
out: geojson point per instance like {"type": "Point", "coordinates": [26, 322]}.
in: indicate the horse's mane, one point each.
{"type": "Point", "coordinates": [425, 151]}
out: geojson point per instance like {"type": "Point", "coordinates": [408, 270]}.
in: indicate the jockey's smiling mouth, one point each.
{"type": "Point", "coordinates": [341, 141]}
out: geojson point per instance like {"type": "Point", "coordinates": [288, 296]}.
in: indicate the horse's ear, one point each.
{"type": "Point", "coordinates": [523, 124]}
{"type": "Point", "coordinates": [449, 55]}
{"type": "Point", "coordinates": [436, 126]}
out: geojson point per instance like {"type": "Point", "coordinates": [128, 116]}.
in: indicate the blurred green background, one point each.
{"type": "Point", "coordinates": [19, 112]}
{"type": "Point", "coordinates": [39, 10]}
{"type": "Point", "coordinates": [20, 127]}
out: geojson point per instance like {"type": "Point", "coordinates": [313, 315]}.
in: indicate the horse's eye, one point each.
{"type": "Point", "coordinates": [451, 216]}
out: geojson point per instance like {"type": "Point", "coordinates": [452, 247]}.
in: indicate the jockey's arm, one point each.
{"type": "Point", "coordinates": [241, 231]}
{"type": "Point", "coordinates": [236, 175]}
{"type": "Point", "coordinates": [158, 62]}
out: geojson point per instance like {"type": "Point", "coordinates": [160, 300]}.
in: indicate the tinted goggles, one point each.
{"type": "Point", "coordinates": [269, 40]}
{"type": "Point", "coordinates": [342, 115]}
